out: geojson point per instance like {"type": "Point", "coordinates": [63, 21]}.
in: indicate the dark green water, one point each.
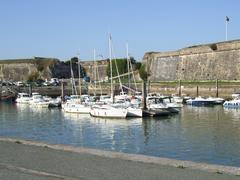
{"type": "Point", "coordinates": [201, 134]}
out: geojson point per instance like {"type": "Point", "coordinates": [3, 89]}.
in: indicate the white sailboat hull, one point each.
{"type": "Point", "coordinates": [134, 112]}
{"type": "Point", "coordinates": [108, 112]}
{"type": "Point", "coordinates": [76, 108]}
{"type": "Point", "coordinates": [22, 101]}
{"type": "Point", "coordinates": [23, 98]}
{"type": "Point", "coordinates": [40, 104]}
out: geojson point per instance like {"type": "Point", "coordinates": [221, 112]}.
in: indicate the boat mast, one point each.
{"type": "Point", "coordinates": [98, 78]}
{"type": "Point", "coordinates": [128, 65]}
{"type": "Point", "coordinates": [99, 81]}
{"type": "Point", "coordinates": [118, 75]}
{"type": "Point", "coordinates": [79, 78]}
{"type": "Point", "coordinates": [71, 75]}
{"type": "Point", "coordinates": [131, 68]}
{"type": "Point", "coordinates": [95, 71]}
{"type": "Point", "coordinates": [110, 59]}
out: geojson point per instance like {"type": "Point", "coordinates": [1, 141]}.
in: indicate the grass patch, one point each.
{"type": "Point", "coordinates": [219, 172]}
{"type": "Point", "coordinates": [45, 146]}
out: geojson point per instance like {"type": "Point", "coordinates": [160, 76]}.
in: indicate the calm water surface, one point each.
{"type": "Point", "coordinates": [201, 134]}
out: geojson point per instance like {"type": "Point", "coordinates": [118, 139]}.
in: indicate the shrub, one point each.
{"type": "Point", "coordinates": [213, 47]}
{"type": "Point", "coordinates": [143, 73]}
{"type": "Point", "coordinates": [138, 65]}
{"type": "Point", "coordinates": [121, 64]}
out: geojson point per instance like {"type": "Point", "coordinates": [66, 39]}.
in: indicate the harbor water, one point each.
{"type": "Point", "coordinates": [200, 134]}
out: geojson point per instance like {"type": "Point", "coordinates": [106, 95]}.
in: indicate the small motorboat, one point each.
{"type": "Point", "coordinates": [199, 101]}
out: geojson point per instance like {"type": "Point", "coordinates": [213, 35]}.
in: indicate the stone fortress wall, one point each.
{"type": "Point", "coordinates": [22, 69]}
{"type": "Point", "coordinates": [203, 62]}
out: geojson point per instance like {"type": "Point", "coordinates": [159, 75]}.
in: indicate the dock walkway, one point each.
{"type": "Point", "coordinates": [25, 160]}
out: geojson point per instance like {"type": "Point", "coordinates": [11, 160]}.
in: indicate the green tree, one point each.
{"type": "Point", "coordinates": [132, 60]}
{"type": "Point", "coordinates": [121, 64]}
{"type": "Point", "coordinates": [74, 61]}
{"type": "Point", "coordinates": [143, 73]}
{"type": "Point", "coordinates": [138, 65]}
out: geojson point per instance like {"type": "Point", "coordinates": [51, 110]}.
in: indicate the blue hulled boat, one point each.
{"type": "Point", "coordinates": [199, 101]}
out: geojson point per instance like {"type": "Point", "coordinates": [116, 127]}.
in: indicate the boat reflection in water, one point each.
{"type": "Point", "coordinates": [107, 134]}
{"type": "Point", "coordinates": [234, 113]}
{"type": "Point", "coordinates": [202, 134]}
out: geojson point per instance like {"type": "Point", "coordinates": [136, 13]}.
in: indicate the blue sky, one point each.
{"type": "Point", "coordinates": [64, 28]}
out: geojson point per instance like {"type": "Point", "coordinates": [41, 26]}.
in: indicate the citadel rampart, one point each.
{"type": "Point", "coordinates": [96, 70]}
{"type": "Point", "coordinates": [203, 62]}
{"type": "Point", "coordinates": [24, 69]}
{"type": "Point", "coordinates": [46, 68]}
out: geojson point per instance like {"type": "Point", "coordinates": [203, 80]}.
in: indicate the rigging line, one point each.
{"type": "Point", "coordinates": [99, 80]}
{"type": "Point", "coordinates": [130, 64]}
{"type": "Point", "coordinates": [117, 69]}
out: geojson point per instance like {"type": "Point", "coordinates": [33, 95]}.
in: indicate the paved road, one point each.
{"type": "Point", "coordinates": [28, 162]}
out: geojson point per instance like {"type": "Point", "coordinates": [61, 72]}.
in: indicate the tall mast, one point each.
{"type": "Point", "coordinates": [79, 78]}
{"type": "Point", "coordinates": [130, 68]}
{"type": "Point", "coordinates": [128, 65]}
{"type": "Point", "coordinates": [71, 72]}
{"type": "Point", "coordinates": [110, 59]}
{"type": "Point", "coordinates": [95, 71]}
{"type": "Point", "coordinates": [99, 80]}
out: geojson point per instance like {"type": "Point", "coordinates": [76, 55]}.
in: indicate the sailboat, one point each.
{"type": "Point", "coordinates": [74, 104]}
{"type": "Point", "coordinates": [134, 110]}
{"type": "Point", "coordinates": [124, 100]}
{"type": "Point", "coordinates": [75, 107]}
{"type": "Point", "coordinates": [109, 111]}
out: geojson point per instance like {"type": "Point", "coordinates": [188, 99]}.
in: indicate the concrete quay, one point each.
{"type": "Point", "coordinates": [23, 160]}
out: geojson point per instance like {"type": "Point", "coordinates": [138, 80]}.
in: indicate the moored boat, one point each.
{"type": "Point", "coordinates": [75, 107]}
{"type": "Point", "coordinates": [235, 103]}
{"type": "Point", "coordinates": [236, 95]}
{"type": "Point", "coordinates": [23, 98]}
{"type": "Point", "coordinates": [38, 101]}
{"type": "Point", "coordinates": [162, 104]}
{"type": "Point", "coordinates": [199, 101]}
{"type": "Point", "coordinates": [177, 99]}
{"type": "Point", "coordinates": [134, 112]}
{"type": "Point", "coordinates": [108, 111]}
{"type": "Point", "coordinates": [217, 100]}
